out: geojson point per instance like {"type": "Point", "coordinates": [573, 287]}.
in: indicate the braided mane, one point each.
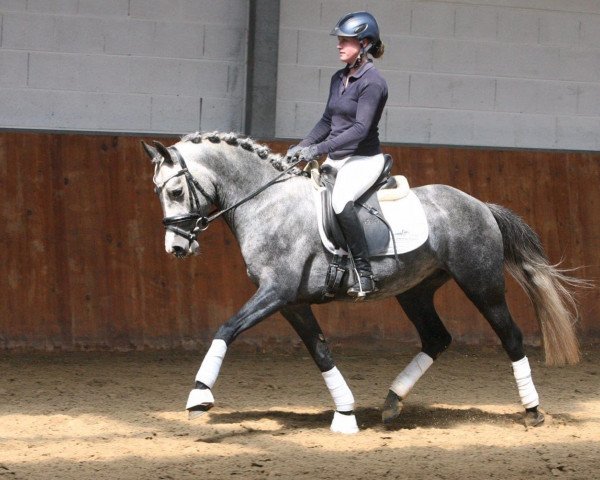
{"type": "Point", "coordinates": [279, 162]}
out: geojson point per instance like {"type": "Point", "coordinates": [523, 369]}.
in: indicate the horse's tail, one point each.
{"type": "Point", "coordinates": [548, 287]}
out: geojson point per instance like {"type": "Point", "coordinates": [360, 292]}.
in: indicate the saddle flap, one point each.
{"type": "Point", "coordinates": [331, 226]}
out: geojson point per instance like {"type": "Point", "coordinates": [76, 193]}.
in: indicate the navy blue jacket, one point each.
{"type": "Point", "coordinates": [349, 124]}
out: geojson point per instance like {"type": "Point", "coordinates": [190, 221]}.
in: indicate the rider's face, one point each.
{"type": "Point", "coordinates": [349, 49]}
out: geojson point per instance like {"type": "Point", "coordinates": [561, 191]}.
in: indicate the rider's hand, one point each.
{"type": "Point", "coordinates": [292, 151]}
{"type": "Point", "coordinates": [308, 153]}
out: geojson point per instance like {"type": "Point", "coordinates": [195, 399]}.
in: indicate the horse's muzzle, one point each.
{"type": "Point", "coordinates": [182, 252]}
{"type": "Point", "coordinates": [179, 252]}
{"type": "Point", "coordinates": [179, 246]}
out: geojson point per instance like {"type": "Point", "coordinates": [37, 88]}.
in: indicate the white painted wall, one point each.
{"type": "Point", "coordinates": [171, 66]}
{"type": "Point", "coordinates": [509, 73]}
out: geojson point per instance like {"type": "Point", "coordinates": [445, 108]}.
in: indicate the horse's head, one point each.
{"type": "Point", "coordinates": [184, 201]}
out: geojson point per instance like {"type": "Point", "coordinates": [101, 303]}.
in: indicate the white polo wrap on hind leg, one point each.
{"type": "Point", "coordinates": [406, 380]}
{"type": "Point", "coordinates": [340, 392]}
{"type": "Point", "coordinates": [527, 391]}
{"type": "Point", "coordinates": [211, 365]}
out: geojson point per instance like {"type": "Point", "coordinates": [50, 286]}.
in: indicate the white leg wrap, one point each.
{"type": "Point", "coordinates": [404, 382]}
{"type": "Point", "coordinates": [340, 392]}
{"type": "Point", "coordinates": [527, 391]}
{"type": "Point", "coordinates": [209, 370]}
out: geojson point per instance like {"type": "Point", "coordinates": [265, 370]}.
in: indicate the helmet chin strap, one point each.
{"type": "Point", "coordinates": [356, 62]}
{"type": "Point", "coordinates": [363, 53]}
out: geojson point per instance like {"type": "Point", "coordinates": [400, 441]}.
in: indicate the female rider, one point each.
{"type": "Point", "coordinates": [348, 133]}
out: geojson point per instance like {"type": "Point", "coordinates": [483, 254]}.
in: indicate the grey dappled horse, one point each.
{"type": "Point", "coordinates": [469, 241]}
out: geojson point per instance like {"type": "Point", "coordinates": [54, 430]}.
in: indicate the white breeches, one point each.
{"type": "Point", "coordinates": [356, 173]}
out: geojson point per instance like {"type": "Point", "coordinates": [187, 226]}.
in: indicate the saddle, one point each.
{"type": "Point", "coordinates": [368, 209]}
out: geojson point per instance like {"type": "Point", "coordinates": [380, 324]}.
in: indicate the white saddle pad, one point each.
{"type": "Point", "coordinates": [405, 216]}
{"type": "Point", "coordinates": [409, 224]}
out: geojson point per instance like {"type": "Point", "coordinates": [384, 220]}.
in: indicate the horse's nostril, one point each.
{"type": "Point", "coordinates": [178, 251]}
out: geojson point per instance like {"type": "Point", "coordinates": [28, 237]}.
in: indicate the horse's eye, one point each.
{"type": "Point", "coordinates": [177, 193]}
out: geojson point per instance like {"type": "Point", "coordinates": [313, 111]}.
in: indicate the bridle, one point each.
{"type": "Point", "coordinates": [195, 218]}
{"type": "Point", "coordinates": [174, 222]}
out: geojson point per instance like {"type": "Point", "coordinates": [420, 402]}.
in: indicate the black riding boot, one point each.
{"type": "Point", "coordinates": [357, 243]}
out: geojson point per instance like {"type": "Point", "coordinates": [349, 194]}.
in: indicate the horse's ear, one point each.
{"type": "Point", "coordinates": [164, 151]}
{"type": "Point", "coordinates": [150, 151]}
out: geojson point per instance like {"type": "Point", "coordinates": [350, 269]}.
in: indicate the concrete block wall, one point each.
{"type": "Point", "coordinates": [501, 73]}
{"type": "Point", "coordinates": [164, 66]}
{"type": "Point", "coordinates": [508, 73]}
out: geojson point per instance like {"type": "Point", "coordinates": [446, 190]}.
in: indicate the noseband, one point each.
{"type": "Point", "coordinates": [201, 222]}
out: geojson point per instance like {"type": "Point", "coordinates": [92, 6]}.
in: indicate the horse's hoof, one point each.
{"type": "Point", "coordinates": [391, 408]}
{"type": "Point", "coordinates": [198, 411]}
{"type": "Point", "coordinates": [345, 424]}
{"type": "Point", "coordinates": [534, 418]}
{"type": "Point", "coordinates": [199, 402]}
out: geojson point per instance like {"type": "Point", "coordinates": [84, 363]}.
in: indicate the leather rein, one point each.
{"type": "Point", "coordinates": [201, 222]}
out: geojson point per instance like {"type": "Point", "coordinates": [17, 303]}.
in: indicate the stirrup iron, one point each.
{"type": "Point", "coordinates": [361, 293]}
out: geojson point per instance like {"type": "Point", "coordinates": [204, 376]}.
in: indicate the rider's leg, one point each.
{"type": "Point", "coordinates": [357, 244]}
{"type": "Point", "coordinates": [355, 175]}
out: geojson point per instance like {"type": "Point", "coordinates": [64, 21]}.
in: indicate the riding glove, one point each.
{"type": "Point", "coordinates": [308, 153]}
{"type": "Point", "coordinates": [292, 151]}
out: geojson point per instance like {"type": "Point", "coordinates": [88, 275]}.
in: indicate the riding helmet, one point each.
{"type": "Point", "coordinates": [357, 24]}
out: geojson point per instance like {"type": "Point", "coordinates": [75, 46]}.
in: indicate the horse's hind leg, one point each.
{"type": "Point", "coordinates": [486, 291]}
{"type": "Point", "coordinates": [306, 326]}
{"type": "Point", "coordinates": [418, 305]}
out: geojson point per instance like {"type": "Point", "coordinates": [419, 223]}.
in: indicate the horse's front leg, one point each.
{"type": "Point", "coordinates": [264, 302]}
{"type": "Point", "coordinates": [306, 326]}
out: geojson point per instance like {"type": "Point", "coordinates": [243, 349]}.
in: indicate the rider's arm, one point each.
{"type": "Point", "coordinates": [319, 132]}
